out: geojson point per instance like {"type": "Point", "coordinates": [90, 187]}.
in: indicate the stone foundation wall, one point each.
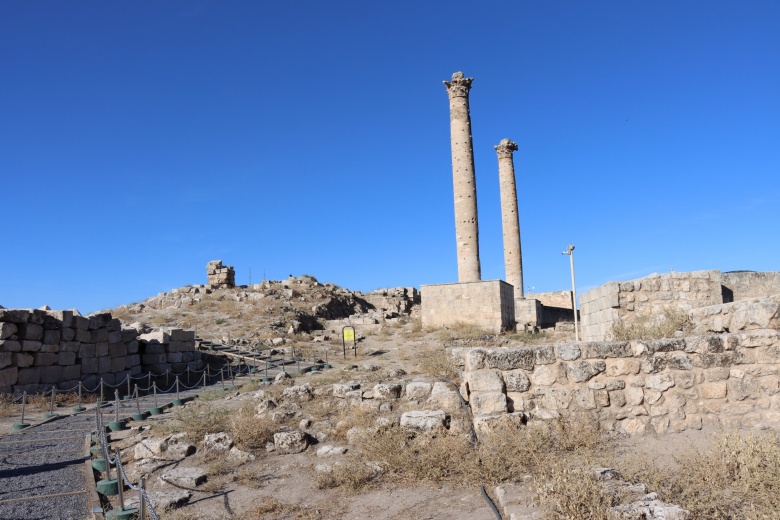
{"type": "Point", "coordinates": [744, 285]}
{"type": "Point", "coordinates": [560, 299]}
{"type": "Point", "coordinates": [40, 349]}
{"type": "Point", "coordinates": [487, 304]}
{"type": "Point", "coordinates": [634, 387]}
{"type": "Point", "coordinates": [645, 299]}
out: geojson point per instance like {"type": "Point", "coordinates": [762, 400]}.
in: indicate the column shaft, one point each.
{"type": "Point", "coordinates": [463, 180]}
{"type": "Point", "coordinates": [510, 219]}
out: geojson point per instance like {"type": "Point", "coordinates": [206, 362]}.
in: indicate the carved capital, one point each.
{"type": "Point", "coordinates": [459, 86]}
{"type": "Point", "coordinates": [505, 148]}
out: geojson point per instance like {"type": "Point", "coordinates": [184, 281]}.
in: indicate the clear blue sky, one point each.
{"type": "Point", "coordinates": [139, 140]}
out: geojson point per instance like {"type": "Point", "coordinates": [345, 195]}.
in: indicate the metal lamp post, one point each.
{"type": "Point", "coordinates": [570, 251]}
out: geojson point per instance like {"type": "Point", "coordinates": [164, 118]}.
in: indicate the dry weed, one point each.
{"type": "Point", "coordinates": [272, 508]}
{"type": "Point", "coordinates": [196, 420]}
{"type": "Point", "coordinates": [571, 491]}
{"type": "Point", "coordinates": [249, 431]}
{"type": "Point", "coordinates": [666, 325]}
{"type": "Point", "coordinates": [436, 362]}
{"type": "Point", "coordinates": [738, 477]}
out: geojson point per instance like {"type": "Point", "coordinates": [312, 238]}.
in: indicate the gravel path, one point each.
{"type": "Point", "coordinates": [49, 459]}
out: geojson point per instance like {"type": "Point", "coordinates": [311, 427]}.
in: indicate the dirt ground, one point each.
{"type": "Point", "coordinates": [285, 486]}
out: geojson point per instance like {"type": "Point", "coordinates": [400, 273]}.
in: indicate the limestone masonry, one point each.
{"type": "Point", "coordinates": [646, 298]}
{"type": "Point", "coordinates": [220, 275]}
{"type": "Point", "coordinates": [488, 304]}
{"type": "Point", "coordinates": [730, 379]}
{"type": "Point", "coordinates": [41, 349]}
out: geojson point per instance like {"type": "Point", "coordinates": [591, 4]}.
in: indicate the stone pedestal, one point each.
{"type": "Point", "coordinates": [489, 305]}
{"type": "Point", "coordinates": [463, 179]}
{"type": "Point", "coordinates": [528, 312]}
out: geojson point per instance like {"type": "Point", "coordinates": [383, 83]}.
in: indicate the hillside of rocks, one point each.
{"type": "Point", "coordinates": [299, 308]}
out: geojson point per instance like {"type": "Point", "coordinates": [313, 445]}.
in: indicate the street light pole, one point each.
{"type": "Point", "coordinates": [570, 251]}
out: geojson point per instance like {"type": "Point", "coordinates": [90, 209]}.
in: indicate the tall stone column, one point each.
{"type": "Point", "coordinates": [510, 220]}
{"type": "Point", "coordinates": [463, 179]}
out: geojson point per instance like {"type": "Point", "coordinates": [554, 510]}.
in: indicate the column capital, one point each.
{"type": "Point", "coordinates": [459, 86]}
{"type": "Point", "coordinates": [505, 148]}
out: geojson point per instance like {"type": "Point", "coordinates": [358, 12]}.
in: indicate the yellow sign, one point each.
{"type": "Point", "coordinates": [349, 334]}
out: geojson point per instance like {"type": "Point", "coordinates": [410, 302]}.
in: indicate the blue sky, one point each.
{"type": "Point", "coordinates": [139, 140]}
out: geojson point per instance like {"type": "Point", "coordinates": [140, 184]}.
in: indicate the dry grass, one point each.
{"type": "Point", "coordinates": [436, 362]}
{"type": "Point", "coordinates": [570, 491]}
{"type": "Point", "coordinates": [268, 507]}
{"type": "Point", "coordinates": [196, 420]}
{"type": "Point", "coordinates": [667, 325]}
{"type": "Point", "coordinates": [38, 403]}
{"type": "Point", "coordinates": [249, 431]}
{"type": "Point", "coordinates": [464, 332]}
{"type": "Point", "coordinates": [506, 454]}
{"type": "Point", "coordinates": [737, 478]}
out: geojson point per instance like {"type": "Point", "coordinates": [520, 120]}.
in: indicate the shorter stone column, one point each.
{"type": "Point", "coordinates": [510, 220]}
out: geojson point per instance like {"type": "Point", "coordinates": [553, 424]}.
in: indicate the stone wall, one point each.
{"type": "Point", "coordinates": [645, 299]}
{"type": "Point", "coordinates": [634, 387]}
{"type": "Point", "coordinates": [744, 285]}
{"type": "Point", "coordinates": [486, 304]}
{"type": "Point", "coordinates": [40, 349]}
{"type": "Point", "coordinates": [220, 275]}
{"type": "Point", "coordinates": [560, 299]}
{"type": "Point", "coordinates": [757, 313]}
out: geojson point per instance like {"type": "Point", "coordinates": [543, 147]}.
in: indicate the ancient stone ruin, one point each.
{"type": "Point", "coordinates": [220, 276]}
{"type": "Point", "coordinates": [41, 349]}
{"type": "Point", "coordinates": [489, 304]}
{"type": "Point", "coordinates": [645, 299]}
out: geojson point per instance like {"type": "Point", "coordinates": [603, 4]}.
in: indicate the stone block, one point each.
{"type": "Point", "coordinates": [153, 359]}
{"type": "Point", "coordinates": [44, 358]}
{"type": "Point", "coordinates": [51, 337]}
{"type": "Point", "coordinates": [101, 349]}
{"type": "Point", "coordinates": [568, 351]}
{"type": "Point", "coordinates": [741, 389]}
{"type": "Point", "coordinates": [8, 376]}
{"type": "Point", "coordinates": [424, 420]}
{"type": "Point", "coordinates": [80, 323]}
{"type": "Point", "coordinates": [29, 345]}
{"type": "Point", "coordinates": [51, 374]}
{"type": "Point", "coordinates": [510, 359]}
{"type": "Point", "coordinates": [6, 359]}
{"type": "Point", "coordinates": [175, 357]}
{"type": "Point", "coordinates": [475, 359]}
{"type": "Point", "coordinates": [71, 372]}
{"type": "Point", "coordinates": [89, 365]}
{"type": "Point", "coordinates": [67, 334]}
{"type": "Point", "coordinates": [30, 331]}
{"type": "Point", "coordinates": [117, 349]}
{"type": "Point", "coordinates": [87, 350]}
{"type": "Point", "coordinates": [104, 365]}
{"type": "Point", "coordinates": [516, 381]}
{"type": "Point", "coordinates": [9, 345]}
{"type": "Point", "coordinates": [581, 371]}
{"type": "Point", "coordinates": [488, 403]}
{"type": "Point", "coordinates": [659, 382]}
{"type": "Point", "coordinates": [24, 360]}
{"type": "Point", "coordinates": [50, 348]}
{"type": "Point", "coordinates": [83, 336]}
{"type": "Point", "coordinates": [7, 330]}
{"type": "Point", "coordinates": [154, 348]}
{"type": "Point", "coordinates": [99, 321]}
{"type": "Point", "coordinates": [484, 381]}
{"type": "Point", "coordinates": [607, 349]}
{"type": "Point", "coordinates": [387, 391]}
{"type": "Point", "coordinates": [29, 376]}
{"type": "Point", "coordinates": [132, 347]}
{"type": "Point", "coordinates": [118, 363]}
{"type": "Point", "coordinates": [15, 315]}
{"type": "Point", "coordinates": [158, 336]}
{"type": "Point", "coordinates": [622, 367]}
{"type": "Point", "coordinates": [182, 335]}
{"type": "Point", "coordinates": [713, 390]}
{"type": "Point", "coordinates": [132, 361]}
